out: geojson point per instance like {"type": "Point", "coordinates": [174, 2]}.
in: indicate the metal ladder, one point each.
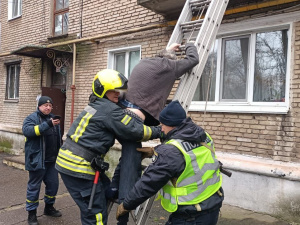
{"type": "Point", "coordinates": [199, 22]}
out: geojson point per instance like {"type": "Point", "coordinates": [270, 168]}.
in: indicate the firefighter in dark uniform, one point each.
{"type": "Point", "coordinates": [43, 140]}
{"type": "Point", "coordinates": [90, 136]}
{"type": "Point", "coordinates": [184, 169]}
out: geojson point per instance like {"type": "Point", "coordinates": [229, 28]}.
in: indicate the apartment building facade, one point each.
{"type": "Point", "coordinates": [247, 99]}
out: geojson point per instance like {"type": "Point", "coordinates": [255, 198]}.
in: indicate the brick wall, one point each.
{"type": "Point", "coordinates": [263, 135]}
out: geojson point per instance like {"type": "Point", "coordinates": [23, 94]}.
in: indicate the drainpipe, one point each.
{"type": "Point", "coordinates": [73, 84]}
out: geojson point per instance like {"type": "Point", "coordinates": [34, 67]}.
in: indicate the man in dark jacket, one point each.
{"type": "Point", "coordinates": [184, 169]}
{"type": "Point", "coordinates": [43, 140]}
{"type": "Point", "coordinates": [149, 86]}
{"type": "Point", "coordinates": [90, 137]}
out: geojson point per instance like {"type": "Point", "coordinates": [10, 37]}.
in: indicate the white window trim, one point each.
{"type": "Point", "coordinates": [112, 52]}
{"type": "Point", "coordinates": [10, 7]}
{"type": "Point", "coordinates": [241, 28]}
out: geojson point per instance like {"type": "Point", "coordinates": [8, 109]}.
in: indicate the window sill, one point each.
{"type": "Point", "coordinates": [57, 37]}
{"type": "Point", "coordinates": [270, 108]}
{"type": "Point", "coordinates": [14, 18]}
{"type": "Point", "coordinates": [11, 101]}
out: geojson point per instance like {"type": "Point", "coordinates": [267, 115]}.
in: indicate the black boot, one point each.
{"type": "Point", "coordinates": [32, 220]}
{"type": "Point", "coordinates": [51, 211]}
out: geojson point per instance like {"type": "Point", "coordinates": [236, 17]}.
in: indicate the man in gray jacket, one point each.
{"type": "Point", "coordinates": [149, 86]}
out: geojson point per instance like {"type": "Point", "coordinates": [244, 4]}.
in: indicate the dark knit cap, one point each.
{"type": "Point", "coordinates": [172, 115]}
{"type": "Point", "coordinates": [44, 99]}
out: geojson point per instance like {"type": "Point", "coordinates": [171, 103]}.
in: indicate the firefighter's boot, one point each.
{"type": "Point", "coordinates": [32, 220]}
{"type": "Point", "coordinates": [51, 211]}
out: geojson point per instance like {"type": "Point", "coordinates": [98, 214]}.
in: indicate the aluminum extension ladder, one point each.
{"type": "Point", "coordinates": [199, 22]}
{"type": "Point", "coordinates": [141, 214]}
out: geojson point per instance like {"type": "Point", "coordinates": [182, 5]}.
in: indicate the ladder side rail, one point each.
{"type": "Point", "coordinates": [199, 69]}
{"type": "Point", "coordinates": [209, 29]}
{"type": "Point", "coordinates": [186, 80]}
{"type": "Point", "coordinates": [186, 15]}
{"type": "Point", "coordinates": [146, 211]}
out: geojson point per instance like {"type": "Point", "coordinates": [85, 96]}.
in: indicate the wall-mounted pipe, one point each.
{"type": "Point", "coordinates": [73, 87]}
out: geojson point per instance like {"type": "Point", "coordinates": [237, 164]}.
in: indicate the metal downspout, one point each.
{"type": "Point", "coordinates": [73, 84]}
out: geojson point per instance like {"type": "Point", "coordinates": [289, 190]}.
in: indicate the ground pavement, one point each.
{"type": "Point", "coordinates": [13, 184]}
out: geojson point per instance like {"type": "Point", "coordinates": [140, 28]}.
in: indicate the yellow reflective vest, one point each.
{"type": "Point", "coordinates": [200, 179]}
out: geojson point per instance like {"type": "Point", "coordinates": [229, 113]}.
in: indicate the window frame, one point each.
{"type": "Point", "coordinates": [10, 9]}
{"type": "Point", "coordinates": [250, 27]}
{"type": "Point", "coordinates": [113, 52]}
{"type": "Point", "coordinates": [8, 78]}
{"type": "Point", "coordinates": [59, 12]}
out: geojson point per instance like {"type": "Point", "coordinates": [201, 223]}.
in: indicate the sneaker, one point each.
{"type": "Point", "coordinates": [32, 220]}
{"type": "Point", "coordinates": [51, 211]}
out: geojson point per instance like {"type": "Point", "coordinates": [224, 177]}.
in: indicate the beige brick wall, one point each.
{"type": "Point", "coordinates": [35, 26]}
{"type": "Point", "coordinates": [263, 135]}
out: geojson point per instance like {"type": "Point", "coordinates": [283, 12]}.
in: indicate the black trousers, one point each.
{"type": "Point", "coordinates": [207, 217]}
{"type": "Point", "coordinates": [80, 190]}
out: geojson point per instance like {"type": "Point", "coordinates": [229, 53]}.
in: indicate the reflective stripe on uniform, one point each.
{"type": "Point", "coordinates": [48, 196]}
{"type": "Point", "coordinates": [126, 119]}
{"type": "Point", "coordinates": [83, 123]}
{"type": "Point", "coordinates": [37, 130]}
{"type": "Point", "coordinates": [32, 201]}
{"type": "Point", "coordinates": [199, 172]}
{"type": "Point", "coordinates": [147, 133]}
{"type": "Point", "coordinates": [200, 179]}
{"type": "Point", "coordinates": [69, 161]}
{"type": "Point", "coordinates": [196, 193]}
{"type": "Point", "coordinates": [99, 218]}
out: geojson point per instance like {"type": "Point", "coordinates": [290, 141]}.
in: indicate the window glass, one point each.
{"type": "Point", "coordinates": [208, 78]}
{"type": "Point", "coordinates": [11, 84]}
{"type": "Point", "coordinates": [120, 62]}
{"type": "Point", "coordinates": [270, 66]}
{"type": "Point", "coordinates": [61, 17]}
{"type": "Point", "coordinates": [17, 81]}
{"type": "Point", "coordinates": [134, 58]}
{"type": "Point", "coordinates": [235, 67]}
{"type": "Point", "coordinates": [14, 8]}
{"type": "Point", "coordinates": [65, 23]}
{"type": "Point", "coordinates": [66, 3]}
{"type": "Point", "coordinates": [59, 4]}
{"type": "Point", "coordinates": [13, 72]}
{"type": "Point", "coordinates": [124, 59]}
{"type": "Point", "coordinates": [59, 77]}
{"type": "Point", "coordinates": [58, 25]}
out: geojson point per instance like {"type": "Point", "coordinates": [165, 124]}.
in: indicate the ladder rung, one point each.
{"type": "Point", "coordinates": [190, 29]}
{"type": "Point", "coordinates": [192, 23]}
{"type": "Point", "coordinates": [198, 4]}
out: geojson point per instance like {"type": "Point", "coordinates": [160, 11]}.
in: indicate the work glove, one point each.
{"type": "Point", "coordinates": [147, 152]}
{"type": "Point", "coordinates": [121, 211]}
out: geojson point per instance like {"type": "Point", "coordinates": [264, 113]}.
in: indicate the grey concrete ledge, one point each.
{"type": "Point", "coordinates": [15, 161]}
{"type": "Point", "coordinates": [11, 129]}
{"type": "Point", "coordinates": [260, 166]}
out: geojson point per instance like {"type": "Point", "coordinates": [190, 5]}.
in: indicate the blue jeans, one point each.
{"type": "Point", "coordinates": [49, 176]}
{"type": "Point", "coordinates": [128, 172]}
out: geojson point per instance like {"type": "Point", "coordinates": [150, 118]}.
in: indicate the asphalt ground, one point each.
{"type": "Point", "coordinates": [13, 183]}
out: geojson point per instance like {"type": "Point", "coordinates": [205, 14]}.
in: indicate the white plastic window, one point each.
{"type": "Point", "coordinates": [247, 72]}
{"type": "Point", "coordinates": [14, 9]}
{"type": "Point", "coordinates": [124, 59]}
